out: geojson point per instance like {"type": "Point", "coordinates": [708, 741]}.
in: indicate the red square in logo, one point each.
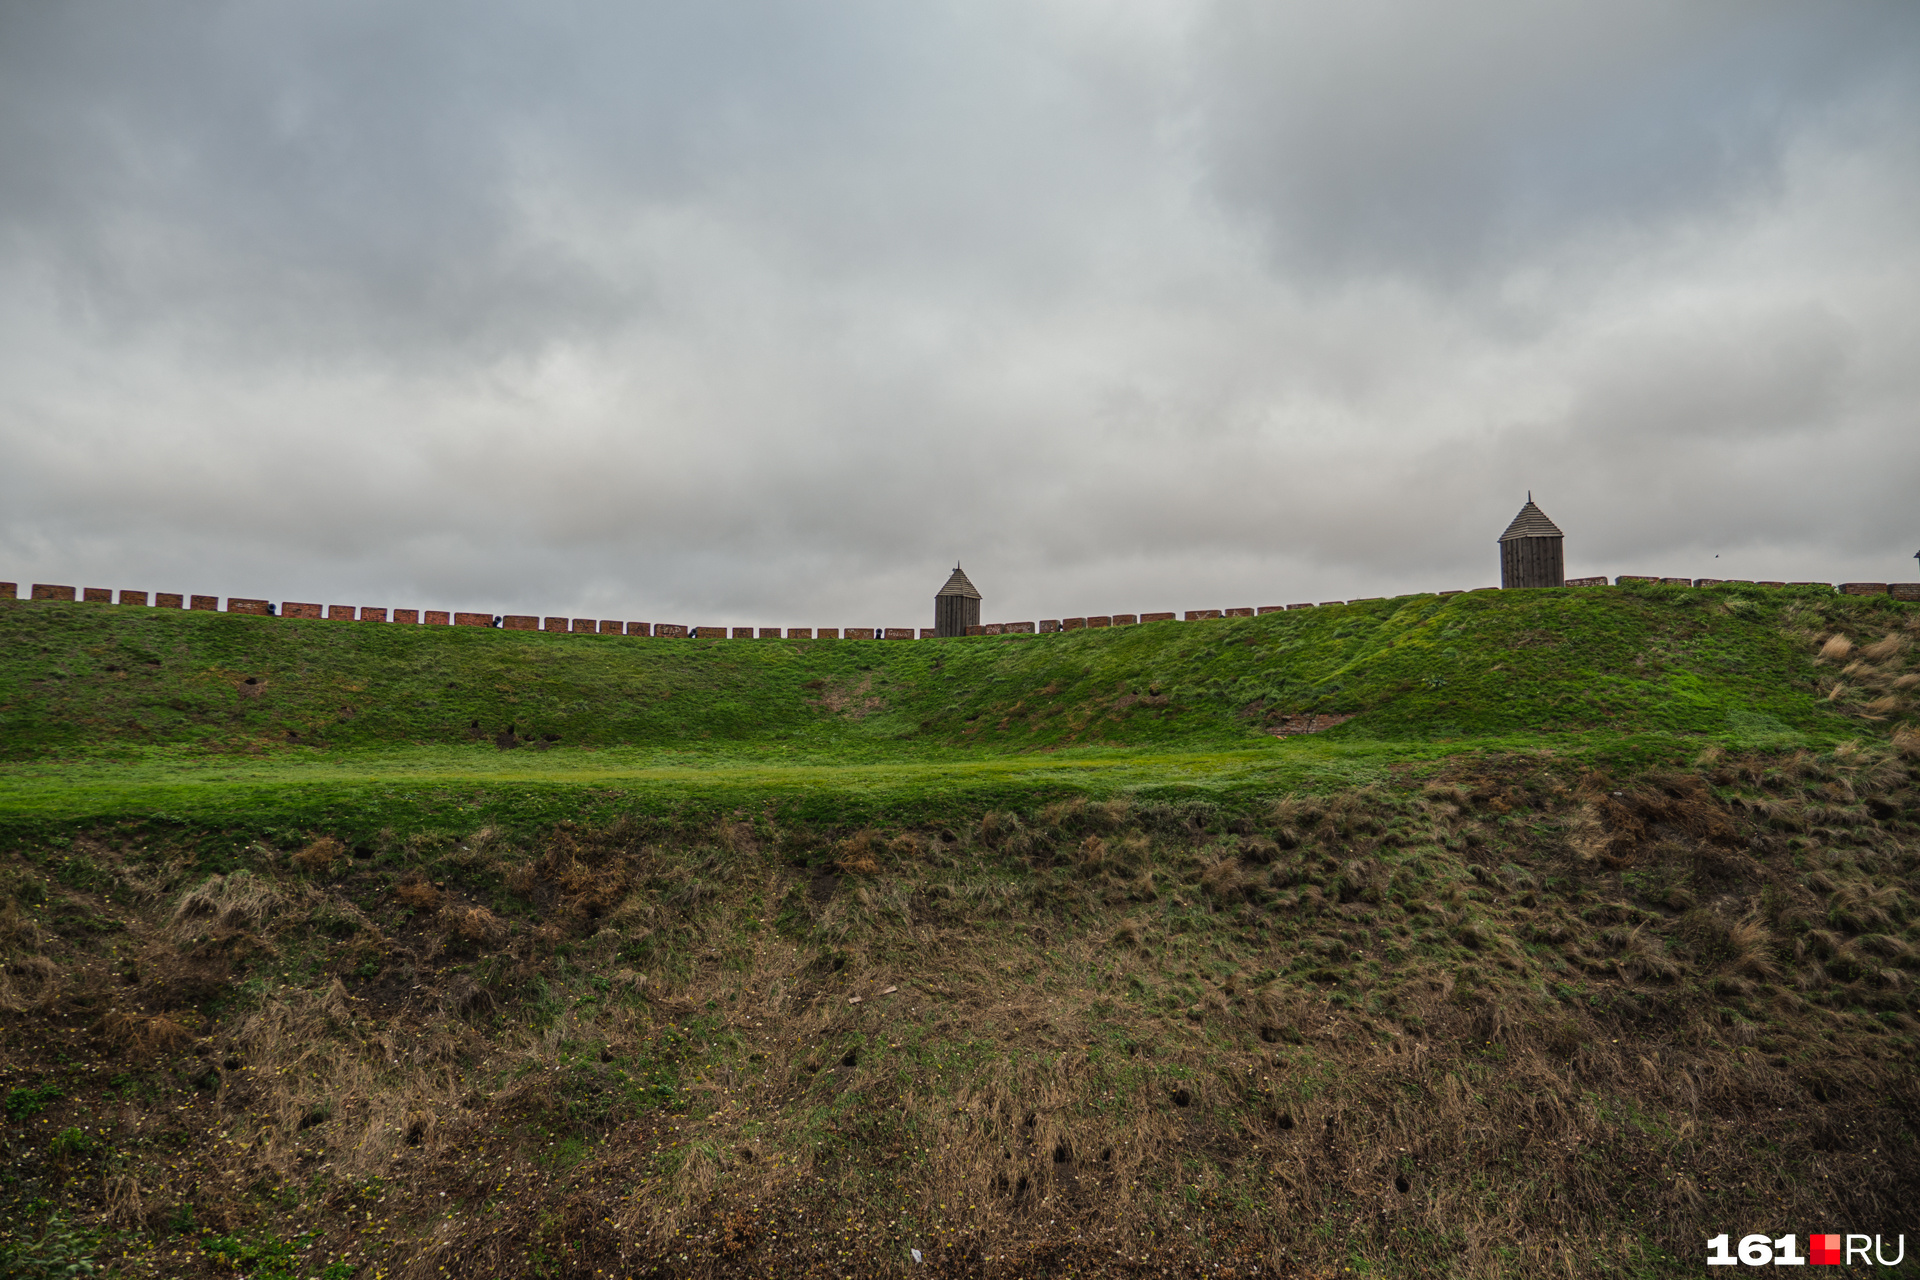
{"type": "Point", "coordinates": [1824, 1250]}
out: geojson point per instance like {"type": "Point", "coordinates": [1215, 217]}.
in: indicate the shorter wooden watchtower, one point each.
{"type": "Point", "coordinates": [956, 607]}
{"type": "Point", "coordinates": [1532, 553]}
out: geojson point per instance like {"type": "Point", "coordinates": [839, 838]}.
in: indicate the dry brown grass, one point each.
{"type": "Point", "coordinates": [1835, 649]}
{"type": "Point", "coordinates": [1072, 1035]}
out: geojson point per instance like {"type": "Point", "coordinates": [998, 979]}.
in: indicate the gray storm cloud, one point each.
{"type": "Point", "coordinates": [763, 313]}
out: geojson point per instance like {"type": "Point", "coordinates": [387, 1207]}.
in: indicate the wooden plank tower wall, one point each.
{"type": "Point", "coordinates": [1531, 551]}
{"type": "Point", "coordinates": [956, 607]}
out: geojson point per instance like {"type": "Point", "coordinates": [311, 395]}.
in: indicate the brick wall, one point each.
{"type": "Point", "coordinates": [1156, 617]}
{"type": "Point", "coordinates": [410, 617]}
{"type": "Point", "coordinates": [50, 591]}
{"type": "Point", "coordinates": [898, 633]}
{"type": "Point", "coordinates": [133, 597]}
{"type": "Point", "coordinates": [828, 633]}
{"type": "Point", "coordinates": [292, 609]}
{"type": "Point", "coordinates": [709, 633]}
{"type": "Point", "coordinates": [438, 618]}
{"type": "Point", "coordinates": [609, 627]}
{"type": "Point", "coordinates": [210, 604]}
{"type": "Point", "coordinates": [169, 600]}
{"type": "Point", "coordinates": [799, 633]}
{"type": "Point", "coordinates": [9, 591]}
{"type": "Point", "coordinates": [472, 619]}
{"type": "Point", "coordinates": [669, 631]}
{"type": "Point", "coordinates": [96, 595]}
{"type": "Point", "coordinates": [373, 615]}
{"type": "Point", "coordinates": [258, 608]}
{"type": "Point", "coordinates": [639, 629]}
{"type": "Point", "coordinates": [556, 624]}
{"type": "Point", "coordinates": [339, 613]}
{"type": "Point", "coordinates": [520, 622]}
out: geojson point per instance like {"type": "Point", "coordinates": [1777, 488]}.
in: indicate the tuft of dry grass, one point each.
{"type": "Point", "coordinates": [242, 902]}
{"type": "Point", "coordinates": [1835, 649]}
{"type": "Point", "coordinates": [418, 892]}
{"type": "Point", "coordinates": [142, 1035]}
{"type": "Point", "coordinates": [320, 857]}
{"type": "Point", "coordinates": [1883, 650]}
{"type": "Point", "coordinates": [28, 982]}
{"type": "Point", "coordinates": [478, 926]}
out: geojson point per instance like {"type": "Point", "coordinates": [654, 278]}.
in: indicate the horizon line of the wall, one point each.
{"type": "Point", "coordinates": [55, 593]}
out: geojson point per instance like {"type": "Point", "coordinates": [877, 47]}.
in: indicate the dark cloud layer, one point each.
{"type": "Point", "coordinates": [763, 313]}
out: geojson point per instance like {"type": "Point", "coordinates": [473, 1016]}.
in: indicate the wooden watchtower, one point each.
{"type": "Point", "coordinates": [1531, 551]}
{"type": "Point", "coordinates": [956, 607]}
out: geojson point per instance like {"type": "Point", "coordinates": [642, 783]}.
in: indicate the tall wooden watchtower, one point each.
{"type": "Point", "coordinates": [1531, 551]}
{"type": "Point", "coordinates": [956, 607]}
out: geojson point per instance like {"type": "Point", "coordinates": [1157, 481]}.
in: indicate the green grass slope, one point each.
{"type": "Point", "coordinates": [1721, 661]}
{"type": "Point", "coordinates": [108, 712]}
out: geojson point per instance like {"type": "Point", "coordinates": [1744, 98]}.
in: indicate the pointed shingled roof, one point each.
{"type": "Point", "coordinates": [1532, 522]}
{"type": "Point", "coordinates": [957, 585]}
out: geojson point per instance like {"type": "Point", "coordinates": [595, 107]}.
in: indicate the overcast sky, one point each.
{"type": "Point", "coordinates": [766, 313]}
